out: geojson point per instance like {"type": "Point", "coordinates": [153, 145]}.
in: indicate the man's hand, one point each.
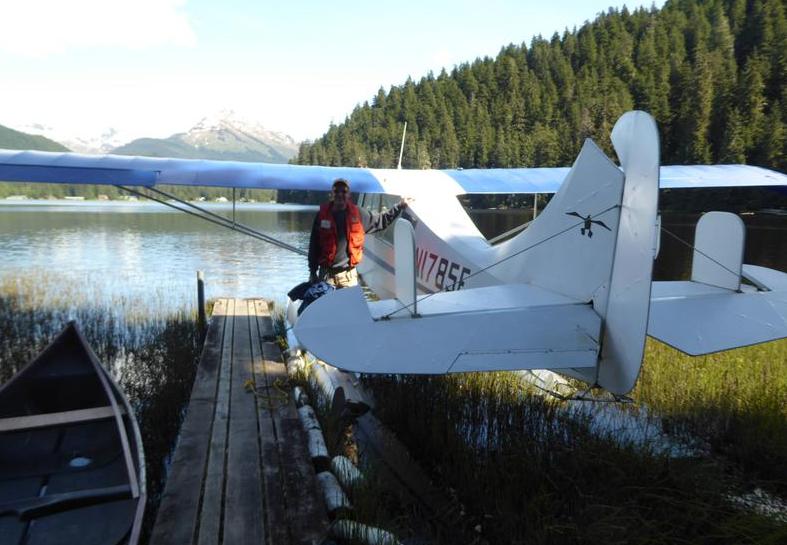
{"type": "Point", "coordinates": [405, 202]}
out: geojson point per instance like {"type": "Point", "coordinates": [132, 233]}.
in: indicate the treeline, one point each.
{"type": "Point", "coordinates": [15, 140]}
{"type": "Point", "coordinates": [713, 73]}
{"type": "Point", "coordinates": [188, 193]}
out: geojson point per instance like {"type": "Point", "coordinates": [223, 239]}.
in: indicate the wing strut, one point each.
{"type": "Point", "coordinates": [217, 219]}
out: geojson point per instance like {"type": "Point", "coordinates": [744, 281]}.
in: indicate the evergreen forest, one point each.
{"type": "Point", "coordinates": [713, 73]}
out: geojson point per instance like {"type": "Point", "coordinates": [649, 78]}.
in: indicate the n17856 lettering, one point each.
{"type": "Point", "coordinates": [440, 272]}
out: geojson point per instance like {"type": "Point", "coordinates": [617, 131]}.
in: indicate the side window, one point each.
{"type": "Point", "coordinates": [388, 202]}
{"type": "Point", "coordinates": [362, 199]}
{"type": "Point", "coordinates": [372, 202]}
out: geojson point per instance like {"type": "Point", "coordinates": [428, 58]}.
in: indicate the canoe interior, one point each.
{"type": "Point", "coordinates": [65, 471]}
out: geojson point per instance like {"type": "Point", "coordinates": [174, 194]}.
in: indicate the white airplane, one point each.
{"type": "Point", "coordinates": [572, 293]}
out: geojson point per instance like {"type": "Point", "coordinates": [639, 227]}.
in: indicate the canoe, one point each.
{"type": "Point", "coordinates": [72, 469]}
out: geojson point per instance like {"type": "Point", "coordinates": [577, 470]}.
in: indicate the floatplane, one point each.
{"type": "Point", "coordinates": [572, 293]}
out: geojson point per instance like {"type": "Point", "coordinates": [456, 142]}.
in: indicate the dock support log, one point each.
{"type": "Point", "coordinates": [201, 317]}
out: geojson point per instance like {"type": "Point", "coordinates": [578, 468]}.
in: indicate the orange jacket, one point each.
{"type": "Point", "coordinates": [327, 229]}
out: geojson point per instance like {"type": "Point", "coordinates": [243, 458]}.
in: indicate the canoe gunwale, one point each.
{"type": "Point", "coordinates": [136, 480]}
{"type": "Point", "coordinates": [118, 408]}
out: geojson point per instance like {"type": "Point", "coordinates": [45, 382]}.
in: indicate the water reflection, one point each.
{"type": "Point", "coordinates": [145, 250]}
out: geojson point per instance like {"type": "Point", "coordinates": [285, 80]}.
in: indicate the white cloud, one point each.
{"type": "Point", "coordinates": [158, 106]}
{"type": "Point", "coordinates": [39, 28]}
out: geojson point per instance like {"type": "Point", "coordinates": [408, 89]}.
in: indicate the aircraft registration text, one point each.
{"type": "Point", "coordinates": [437, 271]}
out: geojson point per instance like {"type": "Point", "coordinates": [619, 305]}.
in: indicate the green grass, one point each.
{"type": "Point", "coordinates": [153, 357]}
{"type": "Point", "coordinates": [531, 470]}
{"type": "Point", "coordinates": [736, 401]}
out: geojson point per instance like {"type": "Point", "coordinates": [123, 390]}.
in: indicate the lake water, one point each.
{"type": "Point", "coordinates": [144, 251]}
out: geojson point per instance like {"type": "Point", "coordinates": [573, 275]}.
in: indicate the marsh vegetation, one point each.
{"type": "Point", "coordinates": [534, 469]}
{"type": "Point", "coordinates": [151, 356]}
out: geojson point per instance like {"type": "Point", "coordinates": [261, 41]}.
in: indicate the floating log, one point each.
{"type": "Point", "coordinates": [350, 530]}
{"type": "Point", "coordinates": [291, 312]}
{"type": "Point", "coordinates": [336, 500]}
{"type": "Point", "coordinates": [317, 449]}
{"type": "Point", "coordinates": [294, 348]}
{"type": "Point", "coordinates": [300, 397]}
{"type": "Point", "coordinates": [346, 472]}
{"type": "Point", "coordinates": [322, 380]}
{"type": "Point", "coordinates": [296, 365]}
{"type": "Point", "coordinates": [330, 379]}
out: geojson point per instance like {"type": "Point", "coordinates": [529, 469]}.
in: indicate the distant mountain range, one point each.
{"type": "Point", "coordinates": [12, 139]}
{"type": "Point", "coordinates": [224, 137]}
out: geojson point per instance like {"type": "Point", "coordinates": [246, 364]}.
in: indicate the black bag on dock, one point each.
{"type": "Point", "coordinates": [314, 292]}
{"type": "Point", "coordinates": [297, 293]}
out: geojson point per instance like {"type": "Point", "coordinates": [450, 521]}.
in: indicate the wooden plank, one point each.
{"type": "Point", "coordinates": [33, 421]}
{"type": "Point", "coordinates": [308, 520]}
{"type": "Point", "coordinates": [273, 485]}
{"type": "Point", "coordinates": [177, 517]}
{"type": "Point", "coordinates": [243, 515]}
{"type": "Point", "coordinates": [213, 490]}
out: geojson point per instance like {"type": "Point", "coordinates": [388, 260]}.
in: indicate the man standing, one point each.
{"type": "Point", "coordinates": [336, 244]}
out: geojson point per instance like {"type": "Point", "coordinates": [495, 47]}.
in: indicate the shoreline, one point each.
{"type": "Point", "coordinates": [13, 201]}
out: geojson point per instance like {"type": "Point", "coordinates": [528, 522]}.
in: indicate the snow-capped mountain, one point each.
{"type": "Point", "coordinates": [227, 122]}
{"type": "Point", "coordinates": [221, 136]}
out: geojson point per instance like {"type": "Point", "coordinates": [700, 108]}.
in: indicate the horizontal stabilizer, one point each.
{"type": "Point", "coordinates": [700, 319]}
{"type": "Point", "coordinates": [485, 329]}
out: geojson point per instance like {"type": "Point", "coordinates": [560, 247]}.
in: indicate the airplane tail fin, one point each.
{"type": "Point", "coordinates": [636, 141]}
{"type": "Point", "coordinates": [568, 248]}
{"type": "Point", "coordinates": [595, 243]}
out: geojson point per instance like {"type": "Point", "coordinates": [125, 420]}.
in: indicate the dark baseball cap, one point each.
{"type": "Point", "coordinates": [341, 181]}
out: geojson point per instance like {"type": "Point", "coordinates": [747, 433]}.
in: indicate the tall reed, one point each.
{"type": "Point", "coordinates": [152, 356]}
{"type": "Point", "coordinates": [530, 470]}
{"type": "Point", "coordinates": [736, 401]}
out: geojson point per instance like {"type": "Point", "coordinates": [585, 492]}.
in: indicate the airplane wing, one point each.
{"type": "Point", "coordinates": [58, 167]}
{"type": "Point", "coordinates": [48, 167]}
{"type": "Point", "coordinates": [549, 180]}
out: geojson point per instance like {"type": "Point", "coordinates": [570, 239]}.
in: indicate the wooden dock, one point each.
{"type": "Point", "coordinates": [241, 472]}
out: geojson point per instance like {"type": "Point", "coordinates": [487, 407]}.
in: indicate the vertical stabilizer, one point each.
{"type": "Point", "coordinates": [568, 248]}
{"type": "Point", "coordinates": [636, 141]}
{"type": "Point", "coordinates": [719, 240]}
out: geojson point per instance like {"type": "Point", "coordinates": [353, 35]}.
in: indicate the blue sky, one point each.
{"type": "Point", "coordinates": [154, 67]}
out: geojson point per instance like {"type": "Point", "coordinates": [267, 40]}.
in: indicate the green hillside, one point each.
{"type": "Point", "coordinates": [11, 139]}
{"type": "Point", "coordinates": [712, 72]}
